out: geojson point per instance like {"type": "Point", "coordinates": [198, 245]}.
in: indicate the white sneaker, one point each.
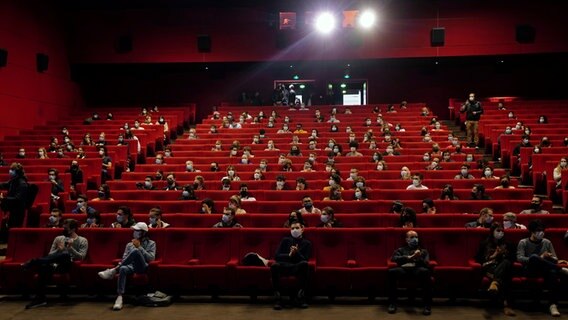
{"type": "Point", "coordinates": [564, 271]}
{"type": "Point", "coordinates": [118, 304]}
{"type": "Point", "coordinates": [108, 274]}
{"type": "Point", "coordinates": [554, 311]}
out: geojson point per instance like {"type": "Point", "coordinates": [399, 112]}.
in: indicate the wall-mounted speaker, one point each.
{"type": "Point", "coordinates": [438, 37]}
{"type": "Point", "coordinates": [124, 44]}
{"type": "Point", "coordinates": [203, 43]}
{"type": "Point", "coordinates": [3, 57]}
{"type": "Point", "coordinates": [525, 33]}
{"type": "Point", "coordinates": [42, 62]}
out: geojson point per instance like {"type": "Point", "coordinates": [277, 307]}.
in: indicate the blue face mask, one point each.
{"type": "Point", "coordinates": [52, 219]}
{"type": "Point", "coordinates": [90, 221]}
{"type": "Point", "coordinates": [308, 206]}
{"type": "Point", "coordinates": [119, 218]}
{"type": "Point", "coordinates": [12, 173]}
{"type": "Point", "coordinates": [412, 242]}
{"type": "Point", "coordinates": [152, 221]}
{"type": "Point", "coordinates": [101, 194]}
{"type": "Point", "coordinates": [226, 218]}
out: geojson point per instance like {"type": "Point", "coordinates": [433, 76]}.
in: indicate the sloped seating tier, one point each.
{"type": "Point", "coordinates": [193, 261]}
{"type": "Point", "coordinates": [370, 206]}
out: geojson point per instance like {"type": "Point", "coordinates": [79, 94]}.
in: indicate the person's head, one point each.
{"type": "Point", "coordinates": [148, 182]}
{"type": "Point", "coordinates": [235, 202]}
{"type": "Point", "coordinates": [496, 232]}
{"type": "Point", "coordinates": [525, 139]}
{"type": "Point", "coordinates": [335, 192]}
{"type": "Point", "coordinates": [327, 214]}
{"type": "Point", "coordinates": [381, 165]}
{"type": "Point", "coordinates": [536, 203]}
{"type": "Point", "coordinates": [82, 200]}
{"type": "Point", "coordinates": [104, 192]}
{"type": "Point", "coordinates": [428, 205]}
{"type": "Point", "coordinates": [360, 193]}
{"type": "Point", "coordinates": [563, 163]}
{"type": "Point", "coordinates": [485, 216]}
{"type": "Point", "coordinates": [52, 174]}
{"type": "Point", "coordinates": [280, 181]}
{"type": "Point", "coordinates": [505, 181]}
{"type": "Point", "coordinates": [103, 151]}
{"type": "Point", "coordinates": [207, 205]}
{"type": "Point", "coordinates": [397, 207]}
{"type": "Point", "coordinates": [55, 216]}
{"type": "Point", "coordinates": [123, 215]}
{"type": "Point", "coordinates": [307, 202]}
{"type": "Point", "coordinates": [488, 172]}
{"type": "Point", "coordinates": [70, 227]}
{"type": "Point", "coordinates": [228, 215]}
{"type": "Point", "coordinates": [478, 190]}
{"type": "Point", "coordinates": [417, 179]}
{"type": "Point", "coordinates": [93, 218]}
{"type": "Point", "coordinates": [140, 230]}
{"type": "Point", "coordinates": [405, 173]}
{"type": "Point", "coordinates": [171, 178]}
{"type": "Point", "coordinates": [155, 216]}
{"type": "Point", "coordinates": [464, 170]}
{"type": "Point", "coordinates": [334, 179]}
{"type": "Point", "coordinates": [536, 228]}
{"type": "Point", "coordinates": [296, 229]}
{"type": "Point", "coordinates": [412, 239]}
{"type": "Point", "coordinates": [472, 96]}
{"type": "Point", "coordinates": [509, 220]}
{"type": "Point", "coordinates": [301, 183]}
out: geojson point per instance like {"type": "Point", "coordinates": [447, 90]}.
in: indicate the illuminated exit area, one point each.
{"type": "Point", "coordinates": [348, 92]}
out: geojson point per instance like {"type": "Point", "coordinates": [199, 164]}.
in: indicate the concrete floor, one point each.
{"type": "Point", "coordinates": [77, 309]}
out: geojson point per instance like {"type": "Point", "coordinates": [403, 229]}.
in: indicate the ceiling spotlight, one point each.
{"type": "Point", "coordinates": [367, 19]}
{"type": "Point", "coordinates": [325, 23]}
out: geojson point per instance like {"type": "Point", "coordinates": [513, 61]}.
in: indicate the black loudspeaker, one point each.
{"type": "Point", "coordinates": [42, 62]}
{"type": "Point", "coordinates": [525, 33]}
{"type": "Point", "coordinates": [438, 37]}
{"type": "Point", "coordinates": [204, 43]}
{"type": "Point", "coordinates": [3, 57]}
{"type": "Point", "coordinates": [124, 44]}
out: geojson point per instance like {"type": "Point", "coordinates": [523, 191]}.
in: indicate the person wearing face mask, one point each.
{"type": "Point", "coordinates": [360, 194]}
{"type": "Point", "coordinates": [334, 179]}
{"type": "Point", "coordinates": [448, 193]}
{"type": "Point", "coordinates": [557, 173]}
{"type": "Point", "coordinates": [137, 255]}
{"type": "Point", "coordinates": [464, 173]}
{"type": "Point", "coordinates": [199, 183]}
{"type": "Point", "coordinates": [408, 219]}
{"type": "Point", "coordinates": [434, 165]}
{"type": "Point", "coordinates": [397, 207]}
{"type": "Point", "coordinates": [488, 174]}
{"type": "Point", "coordinates": [93, 221]}
{"type": "Point", "coordinates": [155, 219]}
{"type": "Point", "coordinates": [405, 173]}
{"type": "Point", "coordinates": [353, 174]}
{"type": "Point", "coordinates": [56, 183]}
{"type": "Point", "coordinates": [106, 165]}
{"type": "Point", "coordinates": [327, 219]}
{"type": "Point", "coordinates": [536, 207]}
{"type": "Point", "coordinates": [235, 203]}
{"type": "Point", "coordinates": [478, 193]}
{"type": "Point", "coordinates": [539, 260]}
{"type": "Point", "coordinates": [413, 263]}
{"type": "Point", "coordinates": [496, 257]}
{"type": "Point", "coordinates": [417, 183]}
{"type": "Point", "coordinates": [207, 206]}
{"type": "Point", "coordinates": [76, 173]}
{"type": "Point", "coordinates": [187, 193]}
{"type": "Point", "coordinates": [189, 167]}
{"type": "Point", "coordinates": [284, 129]}
{"type": "Point", "coordinates": [307, 167]}
{"type": "Point", "coordinates": [124, 218]}
{"type": "Point", "coordinates": [473, 110]}
{"type": "Point", "coordinates": [225, 184]}
{"type": "Point", "coordinates": [334, 194]}
{"type": "Point", "coordinates": [542, 119]}
{"type": "Point", "coordinates": [510, 221]}
{"type": "Point", "coordinates": [83, 206]}
{"type": "Point", "coordinates": [21, 153]}
{"type": "Point", "coordinates": [484, 221]}
{"type": "Point", "coordinates": [308, 206]}
{"type": "Point", "coordinates": [65, 249]}
{"type": "Point", "coordinates": [244, 194]}
{"type": "Point", "coordinates": [382, 165]}
{"type": "Point", "coordinates": [147, 185]}
{"type": "Point", "coordinates": [171, 182]}
{"type": "Point", "coordinates": [103, 193]}
{"type": "Point", "coordinates": [353, 146]}
{"type": "Point", "coordinates": [102, 141]}
{"type": "Point", "coordinates": [525, 143]}
{"type": "Point", "coordinates": [291, 259]}
{"type": "Point", "coordinates": [505, 183]}
{"type": "Point", "coordinates": [55, 220]}
{"type": "Point", "coordinates": [228, 219]}
{"type": "Point", "coordinates": [281, 183]}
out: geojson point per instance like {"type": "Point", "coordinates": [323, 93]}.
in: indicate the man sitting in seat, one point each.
{"type": "Point", "coordinates": [484, 220]}
{"type": "Point", "coordinates": [308, 206]}
{"type": "Point", "coordinates": [137, 254]}
{"type": "Point", "coordinates": [538, 257]}
{"type": "Point", "coordinates": [478, 193]}
{"type": "Point", "coordinates": [536, 207]}
{"type": "Point", "coordinates": [292, 260]}
{"type": "Point", "coordinates": [228, 219]}
{"type": "Point", "coordinates": [65, 249]}
{"type": "Point", "coordinates": [412, 262]}
{"type": "Point", "coordinates": [417, 183]}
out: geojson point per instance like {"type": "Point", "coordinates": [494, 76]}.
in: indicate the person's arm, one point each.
{"type": "Point", "coordinates": [283, 252]}
{"type": "Point", "coordinates": [127, 250]}
{"type": "Point", "coordinates": [55, 246]}
{"type": "Point", "coordinates": [81, 252]}
{"type": "Point", "coordinates": [304, 251]}
{"type": "Point", "coordinates": [480, 112]}
{"type": "Point", "coordinates": [149, 252]}
{"type": "Point", "coordinates": [59, 186]}
{"type": "Point", "coordinates": [480, 255]}
{"type": "Point", "coordinates": [424, 257]}
{"type": "Point", "coordinates": [521, 252]}
{"type": "Point", "coordinates": [399, 258]}
{"type": "Point", "coordinates": [550, 249]}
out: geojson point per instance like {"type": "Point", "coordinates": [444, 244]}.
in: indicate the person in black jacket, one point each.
{"type": "Point", "coordinates": [496, 257]}
{"type": "Point", "coordinates": [292, 259]}
{"type": "Point", "coordinates": [16, 199]}
{"type": "Point", "coordinates": [412, 262]}
{"type": "Point", "coordinates": [76, 173]}
{"type": "Point", "coordinates": [473, 112]}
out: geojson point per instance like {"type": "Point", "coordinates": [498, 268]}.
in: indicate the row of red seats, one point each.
{"type": "Point", "coordinates": [350, 260]}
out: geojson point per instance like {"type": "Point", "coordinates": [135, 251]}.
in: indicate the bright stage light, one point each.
{"type": "Point", "coordinates": [325, 22]}
{"type": "Point", "coordinates": [367, 19]}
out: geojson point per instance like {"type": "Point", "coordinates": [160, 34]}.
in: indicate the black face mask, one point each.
{"type": "Point", "coordinates": [505, 184]}
{"type": "Point", "coordinates": [243, 193]}
{"type": "Point", "coordinates": [535, 206]}
{"type": "Point", "coordinates": [66, 232]}
{"type": "Point", "coordinates": [396, 208]}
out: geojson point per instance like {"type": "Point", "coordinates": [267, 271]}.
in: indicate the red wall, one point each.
{"type": "Point", "coordinates": [27, 97]}
{"type": "Point", "coordinates": [243, 34]}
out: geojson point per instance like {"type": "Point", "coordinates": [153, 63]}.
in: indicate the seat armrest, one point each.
{"type": "Point", "coordinates": [233, 263]}
{"type": "Point", "coordinates": [193, 262]}
{"type": "Point", "coordinates": [352, 263]}
{"type": "Point", "coordinates": [474, 264]}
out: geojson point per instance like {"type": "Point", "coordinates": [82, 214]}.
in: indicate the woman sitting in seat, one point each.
{"type": "Point", "coordinates": [334, 193]}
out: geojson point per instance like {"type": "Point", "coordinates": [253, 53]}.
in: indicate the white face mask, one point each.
{"type": "Point", "coordinates": [257, 176]}
{"type": "Point", "coordinates": [280, 183]}
{"type": "Point", "coordinates": [403, 173]}
{"type": "Point", "coordinates": [507, 224]}
{"type": "Point", "coordinates": [296, 233]}
{"type": "Point", "coordinates": [380, 167]}
{"type": "Point", "coordinates": [353, 175]}
{"type": "Point", "coordinates": [231, 173]}
{"type": "Point", "coordinates": [358, 194]}
{"type": "Point", "coordinates": [324, 218]}
{"type": "Point", "coordinates": [233, 152]}
{"type": "Point", "coordinates": [244, 161]}
{"type": "Point", "coordinates": [331, 182]}
{"type": "Point", "coordinates": [464, 172]}
{"type": "Point", "coordinates": [426, 158]}
{"type": "Point", "coordinates": [416, 182]}
{"type": "Point", "coordinates": [488, 173]}
{"type": "Point", "coordinates": [539, 235]}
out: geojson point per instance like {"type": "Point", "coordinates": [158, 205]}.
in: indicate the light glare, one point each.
{"type": "Point", "coordinates": [367, 19]}
{"type": "Point", "coordinates": [325, 23]}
